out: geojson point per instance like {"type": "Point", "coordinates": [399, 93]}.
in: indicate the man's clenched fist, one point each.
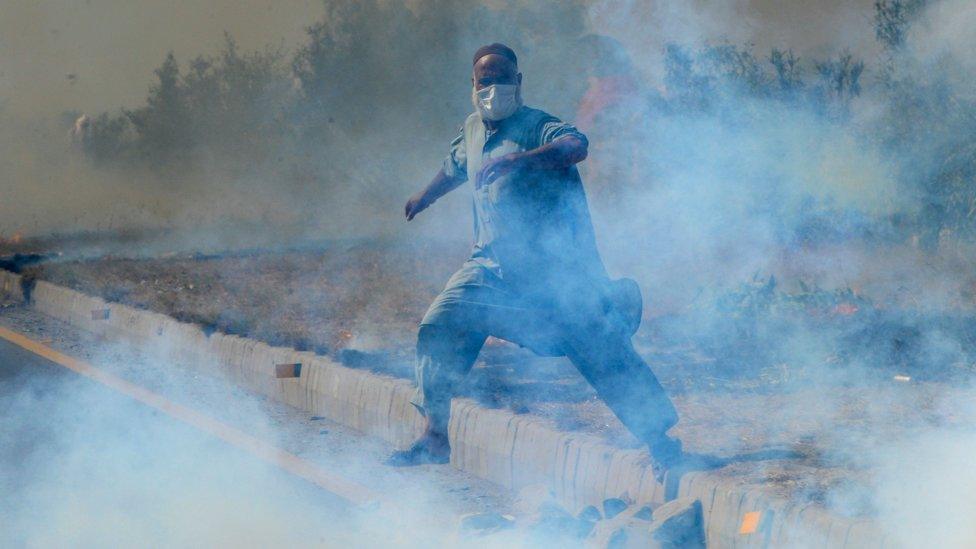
{"type": "Point", "coordinates": [415, 205]}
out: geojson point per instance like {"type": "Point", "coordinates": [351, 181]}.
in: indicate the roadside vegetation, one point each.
{"type": "Point", "coordinates": [297, 111]}
{"type": "Point", "coordinates": [365, 77]}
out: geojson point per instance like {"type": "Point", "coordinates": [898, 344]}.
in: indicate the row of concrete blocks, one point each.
{"type": "Point", "coordinates": [509, 449]}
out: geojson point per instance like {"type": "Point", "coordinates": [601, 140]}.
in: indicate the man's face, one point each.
{"type": "Point", "coordinates": [495, 69]}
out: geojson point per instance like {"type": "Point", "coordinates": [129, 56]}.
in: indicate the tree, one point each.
{"type": "Point", "coordinates": [892, 19]}
{"type": "Point", "coordinates": [161, 123]}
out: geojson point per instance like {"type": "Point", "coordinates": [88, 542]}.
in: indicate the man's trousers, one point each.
{"type": "Point", "coordinates": [477, 304]}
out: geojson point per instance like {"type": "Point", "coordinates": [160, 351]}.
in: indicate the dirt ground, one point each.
{"type": "Point", "coordinates": [360, 301]}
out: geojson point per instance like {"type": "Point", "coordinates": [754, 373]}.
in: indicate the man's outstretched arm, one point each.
{"type": "Point", "coordinates": [561, 153]}
{"type": "Point", "coordinates": [438, 187]}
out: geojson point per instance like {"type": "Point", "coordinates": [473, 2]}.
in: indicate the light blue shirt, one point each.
{"type": "Point", "coordinates": [532, 227]}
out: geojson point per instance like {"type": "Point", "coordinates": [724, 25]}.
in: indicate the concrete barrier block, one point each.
{"type": "Point", "coordinates": [10, 286]}
{"type": "Point", "coordinates": [782, 532]}
{"type": "Point", "coordinates": [326, 387]}
{"type": "Point", "coordinates": [331, 387]}
{"type": "Point", "coordinates": [685, 482]}
{"type": "Point", "coordinates": [65, 305]}
{"type": "Point", "coordinates": [724, 515]}
{"type": "Point", "coordinates": [409, 422]}
{"type": "Point", "coordinates": [204, 347]}
{"type": "Point", "coordinates": [317, 378]}
{"type": "Point", "coordinates": [354, 398]}
{"type": "Point", "coordinates": [217, 346]}
{"type": "Point", "coordinates": [307, 360]}
{"type": "Point", "coordinates": [41, 298]}
{"type": "Point", "coordinates": [482, 428]}
{"type": "Point", "coordinates": [181, 339]}
{"type": "Point", "coordinates": [577, 475]}
{"type": "Point", "coordinates": [756, 517]}
{"type": "Point", "coordinates": [260, 370]}
{"type": "Point", "coordinates": [291, 390]}
{"type": "Point", "coordinates": [624, 475]}
{"type": "Point", "coordinates": [382, 402]}
{"type": "Point", "coordinates": [365, 403]}
{"type": "Point", "coordinates": [170, 328]}
{"type": "Point", "coordinates": [615, 472]}
{"type": "Point", "coordinates": [357, 402]}
{"type": "Point", "coordinates": [115, 321]}
{"type": "Point", "coordinates": [864, 534]}
{"type": "Point", "coordinates": [343, 390]}
{"type": "Point", "coordinates": [457, 433]}
{"type": "Point", "coordinates": [814, 524]}
{"type": "Point", "coordinates": [44, 300]}
{"type": "Point", "coordinates": [155, 325]}
{"type": "Point", "coordinates": [568, 453]}
{"type": "Point", "coordinates": [484, 431]}
{"type": "Point", "coordinates": [261, 359]}
{"type": "Point", "coordinates": [127, 322]}
{"type": "Point", "coordinates": [503, 425]}
{"type": "Point", "coordinates": [234, 353]}
{"type": "Point", "coordinates": [148, 325]}
{"type": "Point", "coordinates": [96, 322]}
{"type": "Point", "coordinates": [220, 348]}
{"type": "Point", "coordinates": [376, 402]}
{"type": "Point", "coordinates": [649, 491]}
{"type": "Point", "coordinates": [347, 395]}
{"type": "Point", "coordinates": [518, 425]}
{"type": "Point", "coordinates": [698, 485]}
{"type": "Point", "coordinates": [678, 523]}
{"type": "Point", "coordinates": [61, 301]}
{"type": "Point", "coordinates": [82, 307]}
{"type": "Point", "coordinates": [228, 351]}
{"type": "Point", "coordinates": [73, 309]}
{"type": "Point", "coordinates": [133, 322]}
{"type": "Point", "coordinates": [795, 530]}
{"type": "Point", "coordinates": [591, 475]}
{"type": "Point", "coordinates": [55, 301]}
{"type": "Point", "coordinates": [308, 381]}
{"type": "Point", "coordinates": [585, 476]}
{"type": "Point", "coordinates": [239, 369]}
{"type": "Point", "coordinates": [837, 533]}
{"type": "Point", "coordinates": [534, 453]}
{"type": "Point", "coordinates": [387, 398]}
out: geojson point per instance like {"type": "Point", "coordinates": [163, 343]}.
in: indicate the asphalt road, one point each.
{"type": "Point", "coordinates": [83, 465]}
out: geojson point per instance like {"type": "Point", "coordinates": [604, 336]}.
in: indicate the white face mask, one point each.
{"type": "Point", "coordinates": [498, 101]}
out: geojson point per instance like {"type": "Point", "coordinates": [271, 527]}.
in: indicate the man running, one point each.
{"type": "Point", "coordinates": [535, 276]}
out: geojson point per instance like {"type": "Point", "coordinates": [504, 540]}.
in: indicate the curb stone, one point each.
{"type": "Point", "coordinates": [498, 445]}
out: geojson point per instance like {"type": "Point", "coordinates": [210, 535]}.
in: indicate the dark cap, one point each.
{"type": "Point", "coordinates": [497, 49]}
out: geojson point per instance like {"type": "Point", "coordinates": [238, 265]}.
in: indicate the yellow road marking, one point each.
{"type": "Point", "coordinates": [346, 489]}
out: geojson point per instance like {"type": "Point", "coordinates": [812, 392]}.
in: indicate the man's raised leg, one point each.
{"type": "Point", "coordinates": [608, 361]}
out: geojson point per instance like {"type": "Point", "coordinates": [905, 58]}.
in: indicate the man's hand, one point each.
{"type": "Point", "coordinates": [438, 187]}
{"type": "Point", "coordinates": [416, 204]}
{"type": "Point", "coordinates": [495, 168]}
